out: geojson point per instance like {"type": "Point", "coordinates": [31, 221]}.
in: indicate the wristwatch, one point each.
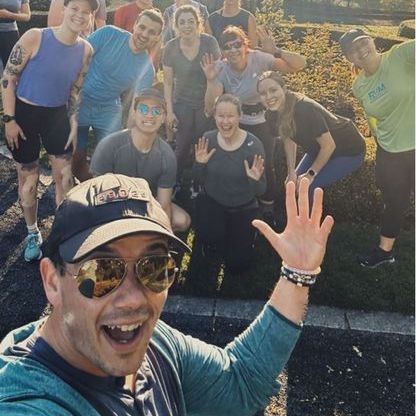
{"type": "Point", "coordinates": [278, 53]}
{"type": "Point", "coordinates": [6, 118]}
{"type": "Point", "coordinates": [311, 173]}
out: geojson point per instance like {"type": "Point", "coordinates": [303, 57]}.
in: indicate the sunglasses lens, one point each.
{"type": "Point", "coordinates": [235, 45]}
{"type": "Point", "coordinates": [157, 273]}
{"type": "Point", "coordinates": [143, 108]}
{"type": "Point", "coordinates": [98, 277]}
{"type": "Point", "coordinates": [156, 111]}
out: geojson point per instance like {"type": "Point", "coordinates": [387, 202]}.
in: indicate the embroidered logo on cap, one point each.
{"type": "Point", "coordinates": [120, 194]}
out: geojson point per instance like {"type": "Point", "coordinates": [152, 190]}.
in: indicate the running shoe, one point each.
{"type": "Point", "coordinates": [32, 250]}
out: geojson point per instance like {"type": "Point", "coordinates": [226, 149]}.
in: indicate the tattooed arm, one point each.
{"type": "Point", "coordinates": [75, 97]}
{"type": "Point", "coordinates": [25, 49]}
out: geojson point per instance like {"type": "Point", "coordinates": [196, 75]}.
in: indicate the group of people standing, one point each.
{"type": "Point", "coordinates": [226, 101]}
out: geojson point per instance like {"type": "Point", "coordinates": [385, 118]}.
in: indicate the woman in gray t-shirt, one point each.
{"type": "Point", "coordinates": [237, 74]}
{"type": "Point", "coordinates": [229, 164]}
{"type": "Point", "coordinates": [184, 81]}
{"type": "Point", "coordinates": [11, 11]}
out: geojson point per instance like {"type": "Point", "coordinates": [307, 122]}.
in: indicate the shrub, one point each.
{"type": "Point", "coordinates": [407, 29]}
{"type": "Point", "coordinates": [327, 79]}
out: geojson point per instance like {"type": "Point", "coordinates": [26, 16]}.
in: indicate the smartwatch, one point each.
{"type": "Point", "coordinates": [311, 173]}
{"type": "Point", "coordinates": [278, 53]}
{"type": "Point", "coordinates": [6, 118]}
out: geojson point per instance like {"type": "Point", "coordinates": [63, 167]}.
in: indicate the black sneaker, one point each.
{"type": "Point", "coordinates": [377, 257]}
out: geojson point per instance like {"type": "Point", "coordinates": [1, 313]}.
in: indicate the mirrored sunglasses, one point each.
{"type": "Point", "coordinates": [237, 44]}
{"type": "Point", "coordinates": [99, 277]}
{"type": "Point", "coordinates": [145, 109]}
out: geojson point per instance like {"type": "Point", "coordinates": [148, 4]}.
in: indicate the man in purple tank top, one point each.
{"type": "Point", "coordinates": [40, 91]}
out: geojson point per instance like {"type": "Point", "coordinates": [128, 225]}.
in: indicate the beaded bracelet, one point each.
{"type": "Point", "coordinates": [300, 271]}
{"type": "Point", "coordinates": [301, 278]}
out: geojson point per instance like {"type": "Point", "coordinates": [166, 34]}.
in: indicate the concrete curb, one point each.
{"type": "Point", "coordinates": [318, 316]}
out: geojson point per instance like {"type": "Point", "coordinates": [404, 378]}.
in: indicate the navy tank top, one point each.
{"type": "Point", "coordinates": [218, 22]}
{"type": "Point", "coordinates": [48, 77]}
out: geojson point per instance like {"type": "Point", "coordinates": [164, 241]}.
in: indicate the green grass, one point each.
{"type": "Point", "coordinates": [377, 31]}
{"type": "Point", "coordinates": [343, 283]}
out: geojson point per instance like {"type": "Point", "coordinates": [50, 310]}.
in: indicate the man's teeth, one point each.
{"type": "Point", "coordinates": [124, 328]}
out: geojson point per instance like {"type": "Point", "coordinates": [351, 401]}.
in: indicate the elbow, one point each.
{"type": "Point", "coordinates": [300, 64]}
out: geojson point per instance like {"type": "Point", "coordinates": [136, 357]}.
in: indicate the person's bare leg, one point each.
{"type": "Point", "coordinates": [28, 178]}
{"type": "Point", "coordinates": [386, 243]}
{"type": "Point", "coordinates": [62, 175]}
{"type": "Point", "coordinates": [181, 220]}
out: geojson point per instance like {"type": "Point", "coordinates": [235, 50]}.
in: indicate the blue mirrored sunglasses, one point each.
{"type": "Point", "coordinates": [144, 109]}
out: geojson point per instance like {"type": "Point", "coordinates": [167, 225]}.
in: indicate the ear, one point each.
{"type": "Point", "coordinates": [52, 281]}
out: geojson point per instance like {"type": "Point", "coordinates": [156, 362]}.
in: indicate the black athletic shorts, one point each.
{"type": "Point", "coordinates": [48, 126]}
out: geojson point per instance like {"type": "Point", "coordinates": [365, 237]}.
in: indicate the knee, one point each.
{"type": "Point", "coordinates": [181, 222]}
{"type": "Point", "coordinates": [28, 190]}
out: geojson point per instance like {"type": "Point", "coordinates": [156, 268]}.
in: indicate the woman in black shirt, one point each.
{"type": "Point", "coordinates": [333, 146]}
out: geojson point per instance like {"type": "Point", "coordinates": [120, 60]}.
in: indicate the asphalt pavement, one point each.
{"type": "Point", "coordinates": [332, 372]}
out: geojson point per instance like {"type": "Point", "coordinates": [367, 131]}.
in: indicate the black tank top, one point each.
{"type": "Point", "coordinates": [218, 22]}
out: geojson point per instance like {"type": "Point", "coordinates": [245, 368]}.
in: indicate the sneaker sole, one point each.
{"type": "Point", "coordinates": [35, 259]}
{"type": "Point", "coordinates": [390, 261]}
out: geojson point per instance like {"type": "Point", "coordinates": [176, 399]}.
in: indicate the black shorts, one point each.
{"type": "Point", "coordinates": [41, 125]}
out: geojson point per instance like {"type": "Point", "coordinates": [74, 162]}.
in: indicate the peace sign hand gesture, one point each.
{"type": "Point", "coordinates": [302, 244]}
{"type": "Point", "coordinates": [201, 151]}
{"type": "Point", "coordinates": [257, 168]}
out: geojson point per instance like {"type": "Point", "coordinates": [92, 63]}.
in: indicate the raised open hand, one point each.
{"type": "Point", "coordinates": [302, 244]}
{"type": "Point", "coordinates": [201, 151]}
{"type": "Point", "coordinates": [266, 39]}
{"type": "Point", "coordinates": [257, 168]}
{"type": "Point", "coordinates": [209, 66]}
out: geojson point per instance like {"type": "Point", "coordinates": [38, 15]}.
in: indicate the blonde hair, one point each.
{"type": "Point", "coordinates": [228, 98]}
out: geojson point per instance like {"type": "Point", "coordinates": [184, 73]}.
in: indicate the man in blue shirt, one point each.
{"type": "Point", "coordinates": [120, 63]}
{"type": "Point", "coordinates": [107, 276]}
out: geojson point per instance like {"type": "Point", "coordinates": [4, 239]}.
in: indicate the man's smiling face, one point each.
{"type": "Point", "coordinates": [110, 335]}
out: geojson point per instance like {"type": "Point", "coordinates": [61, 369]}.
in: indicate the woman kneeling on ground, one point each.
{"type": "Point", "coordinates": [334, 148]}
{"type": "Point", "coordinates": [229, 165]}
{"type": "Point", "coordinates": [237, 74]}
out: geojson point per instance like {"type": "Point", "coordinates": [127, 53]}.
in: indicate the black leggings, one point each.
{"type": "Point", "coordinates": [229, 229]}
{"type": "Point", "coordinates": [263, 133]}
{"type": "Point", "coordinates": [7, 41]}
{"type": "Point", "coordinates": [395, 176]}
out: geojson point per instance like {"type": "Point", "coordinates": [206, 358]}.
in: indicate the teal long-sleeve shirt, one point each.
{"type": "Point", "coordinates": [235, 381]}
